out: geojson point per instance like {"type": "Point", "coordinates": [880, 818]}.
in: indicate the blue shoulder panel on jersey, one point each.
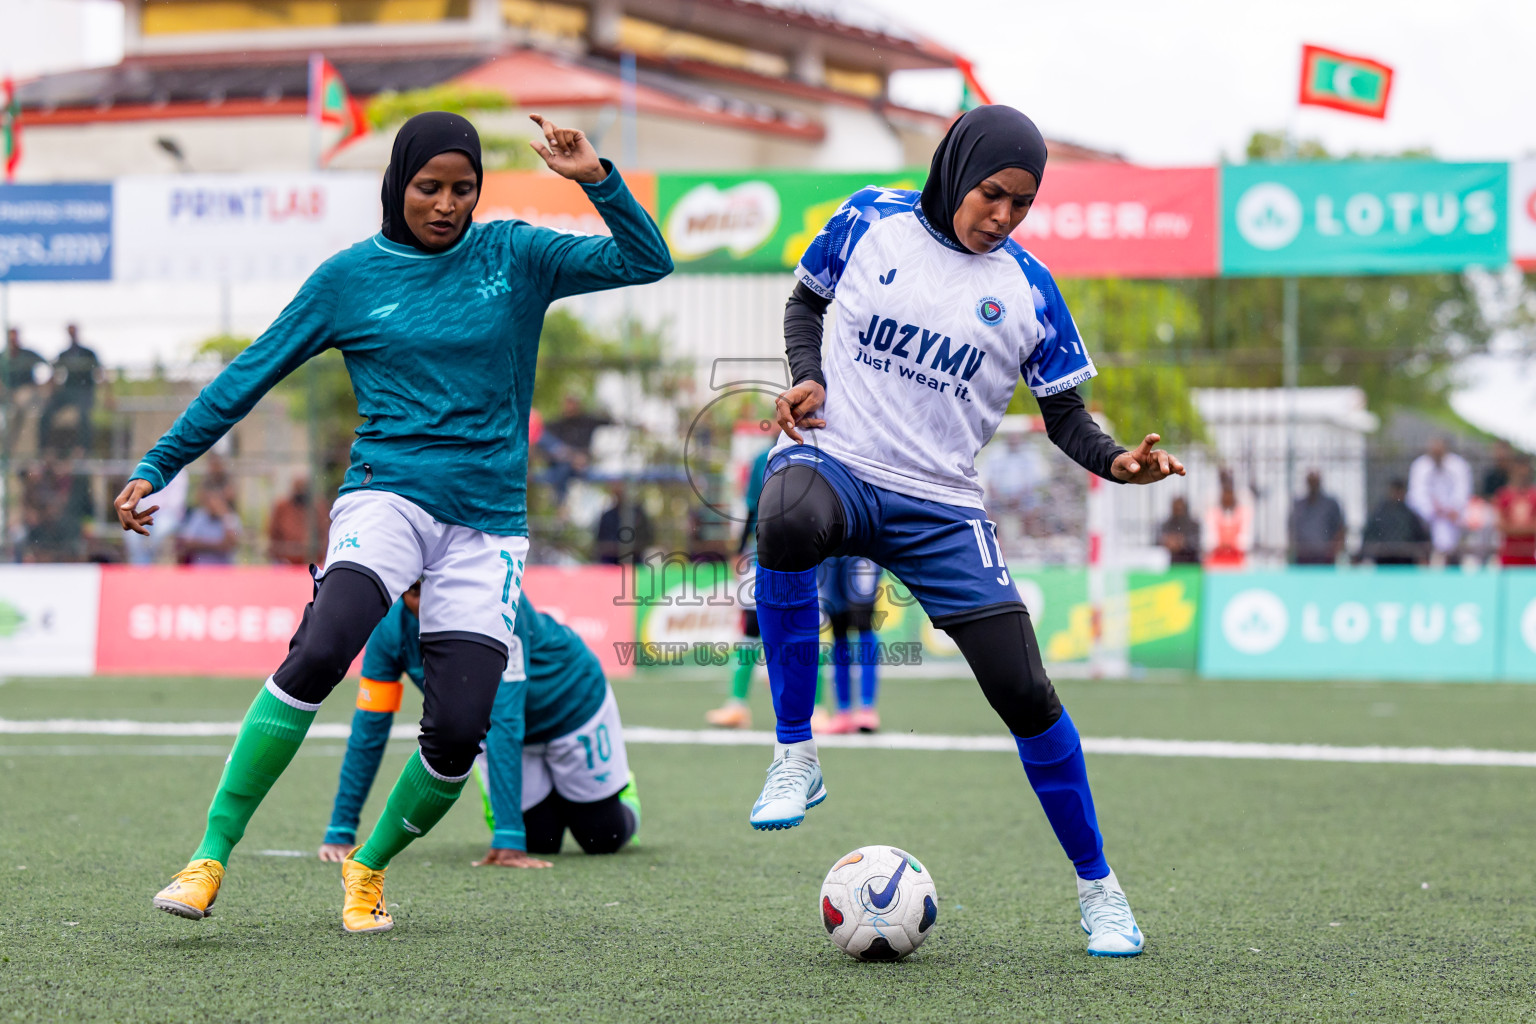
{"type": "Point", "coordinates": [825, 259]}
{"type": "Point", "coordinates": [1060, 361]}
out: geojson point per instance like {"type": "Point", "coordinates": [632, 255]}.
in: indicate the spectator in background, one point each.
{"type": "Point", "coordinates": [1180, 534]}
{"type": "Point", "coordinates": [1439, 488]}
{"type": "Point", "coordinates": [1516, 503]}
{"type": "Point", "coordinates": [567, 443]}
{"type": "Point", "coordinates": [21, 385]}
{"type": "Point", "coordinates": [1012, 477]}
{"type": "Point", "coordinates": [1317, 525]}
{"type": "Point", "coordinates": [1497, 473]}
{"type": "Point", "coordinates": [211, 532]}
{"type": "Point", "coordinates": [623, 531]}
{"type": "Point", "coordinates": [1394, 534]}
{"type": "Point", "coordinates": [74, 391]}
{"type": "Point", "coordinates": [1228, 528]}
{"type": "Point", "coordinates": [55, 505]}
{"type": "Point", "coordinates": [298, 531]}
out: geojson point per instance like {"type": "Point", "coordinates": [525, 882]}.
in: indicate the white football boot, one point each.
{"type": "Point", "coordinates": [794, 785]}
{"type": "Point", "coordinates": [1107, 918]}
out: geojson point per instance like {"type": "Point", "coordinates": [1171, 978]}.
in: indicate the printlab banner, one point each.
{"type": "Point", "coordinates": [1393, 624]}
{"type": "Point", "coordinates": [238, 227]}
{"type": "Point", "coordinates": [1363, 217]}
{"type": "Point", "coordinates": [55, 232]}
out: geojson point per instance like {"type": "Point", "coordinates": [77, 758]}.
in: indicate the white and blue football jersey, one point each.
{"type": "Point", "coordinates": [925, 344]}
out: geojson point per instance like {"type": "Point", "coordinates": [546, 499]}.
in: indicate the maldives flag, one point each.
{"type": "Point", "coordinates": [331, 106]}
{"type": "Point", "coordinates": [1356, 85]}
{"type": "Point", "coordinates": [972, 95]}
{"type": "Point", "coordinates": [10, 128]}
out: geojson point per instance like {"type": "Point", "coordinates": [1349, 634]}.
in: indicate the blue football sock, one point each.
{"type": "Point", "coordinates": [869, 676]}
{"type": "Point", "coordinates": [790, 620]}
{"type": "Point", "coordinates": [1054, 763]}
{"type": "Point", "coordinates": [842, 671]}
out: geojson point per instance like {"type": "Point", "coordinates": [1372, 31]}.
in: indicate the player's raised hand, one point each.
{"type": "Point", "coordinates": [567, 152]}
{"type": "Point", "coordinates": [127, 505]}
{"type": "Point", "coordinates": [1146, 464]}
{"type": "Point", "coordinates": [798, 407]}
{"type": "Point", "coordinates": [500, 858]}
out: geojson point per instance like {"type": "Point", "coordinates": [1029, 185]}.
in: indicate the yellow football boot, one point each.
{"type": "Point", "coordinates": [363, 910]}
{"type": "Point", "coordinates": [193, 890]}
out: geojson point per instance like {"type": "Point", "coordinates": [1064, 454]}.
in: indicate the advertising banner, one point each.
{"type": "Point", "coordinates": [1326, 624]}
{"type": "Point", "coordinates": [686, 609]}
{"type": "Point", "coordinates": [48, 619]}
{"type": "Point", "coordinates": [238, 227]}
{"type": "Point", "coordinates": [1115, 220]}
{"type": "Point", "coordinates": [1363, 217]}
{"type": "Point", "coordinates": [550, 201]}
{"type": "Point", "coordinates": [589, 599]}
{"type": "Point", "coordinates": [207, 620]}
{"type": "Point", "coordinates": [1519, 625]}
{"type": "Point", "coordinates": [1522, 213]}
{"type": "Point", "coordinates": [754, 223]}
{"type": "Point", "coordinates": [55, 232]}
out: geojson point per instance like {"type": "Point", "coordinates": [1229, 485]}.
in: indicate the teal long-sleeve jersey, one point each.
{"type": "Point", "coordinates": [441, 349]}
{"type": "Point", "coordinates": [553, 684]}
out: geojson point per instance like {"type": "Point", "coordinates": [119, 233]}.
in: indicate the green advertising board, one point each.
{"type": "Point", "coordinates": [1363, 217]}
{"type": "Point", "coordinates": [1395, 624]}
{"type": "Point", "coordinates": [1519, 625]}
{"type": "Point", "coordinates": [754, 223]}
{"type": "Point", "coordinates": [685, 612]}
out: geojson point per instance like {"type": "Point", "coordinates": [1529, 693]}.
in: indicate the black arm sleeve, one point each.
{"type": "Point", "coordinates": [802, 334]}
{"type": "Point", "coordinates": [1071, 429]}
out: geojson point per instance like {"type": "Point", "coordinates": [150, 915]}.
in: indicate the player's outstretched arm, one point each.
{"type": "Point", "coordinates": [1146, 464]}
{"type": "Point", "coordinates": [636, 252]}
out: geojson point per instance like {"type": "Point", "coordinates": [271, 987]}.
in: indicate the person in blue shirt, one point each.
{"type": "Point", "coordinates": [553, 698]}
{"type": "Point", "coordinates": [438, 319]}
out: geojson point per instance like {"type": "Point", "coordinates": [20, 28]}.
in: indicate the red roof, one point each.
{"type": "Point", "coordinates": [532, 78]}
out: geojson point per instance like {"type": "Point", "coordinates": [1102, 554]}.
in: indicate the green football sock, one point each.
{"type": "Point", "coordinates": [418, 801]}
{"type": "Point", "coordinates": [741, 682]}
{"type": "Point", "coordinates": [267, 741]}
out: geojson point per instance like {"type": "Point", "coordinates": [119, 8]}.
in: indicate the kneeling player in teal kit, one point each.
{"type": "Point", "coordinates": [554, 757]}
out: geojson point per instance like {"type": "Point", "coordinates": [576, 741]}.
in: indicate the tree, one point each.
{"type": "Point", "coordinates": [498, 152]}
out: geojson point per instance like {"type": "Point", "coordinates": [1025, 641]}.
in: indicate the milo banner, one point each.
{"type": "Point", "coordinates": [1363, 217]}
{"type": "Point", "coordinates": [691, 615]}
{"type": "Point", "coordinates": [754, 223]}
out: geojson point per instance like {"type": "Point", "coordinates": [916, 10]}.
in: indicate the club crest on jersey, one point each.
{"type": "Point", "coordinates": [991, 311]}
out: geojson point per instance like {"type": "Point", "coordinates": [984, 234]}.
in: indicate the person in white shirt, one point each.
{"type": "Point", "coordinates": [938, 315]}
{"type": "Point", "coordinates": [1439, 488]}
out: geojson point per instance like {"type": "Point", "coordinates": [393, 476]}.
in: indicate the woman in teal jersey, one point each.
{"type": "Point", "coordinates": [438, 319]}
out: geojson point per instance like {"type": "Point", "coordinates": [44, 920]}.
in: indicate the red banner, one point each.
{"type": "Point", "coordinates": [1116, 220]}
{"type": "Point", "coordinates": [237, 620]}
{"type": "Point", "coordinates": [212, 620]}
{"type": "Point", "coordinates": [584, 597]}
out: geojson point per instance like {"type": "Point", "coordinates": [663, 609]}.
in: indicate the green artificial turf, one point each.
{"type": "Point", "coordinates": [1269, 890]}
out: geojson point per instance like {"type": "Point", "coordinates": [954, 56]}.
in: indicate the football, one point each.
{"type": "Point", "coordinates": [878, 903]}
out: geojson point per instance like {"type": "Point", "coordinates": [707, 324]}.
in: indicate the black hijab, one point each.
{"type": "Point", "coordinates": [418, 141]}
{"type": "Point", "coordinates": [979, 144]}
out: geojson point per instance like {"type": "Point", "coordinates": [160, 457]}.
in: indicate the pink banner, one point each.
{"type": "Point", "coordinates": [237, 620]}
{"type": "Point", "coordinates": [212, 620]}
{"type": "Point", "coordinates": [1116, 220]}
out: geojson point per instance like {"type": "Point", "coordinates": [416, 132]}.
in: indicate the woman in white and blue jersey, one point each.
{"type": "Point", "coordinates": [438, 319]}
{"type": "Point", "coordinates": [936, 313]}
